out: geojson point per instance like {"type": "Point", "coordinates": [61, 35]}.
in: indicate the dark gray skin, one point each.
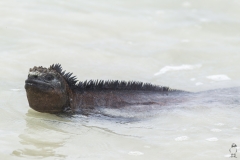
{"type": "Point", "coordinates": [46, 91]}
{"type": "Point", "coordinates": [50, 90]}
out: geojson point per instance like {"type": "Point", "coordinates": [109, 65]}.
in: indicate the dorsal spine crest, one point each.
{"type": "Point", "coordinates": [106, 85]}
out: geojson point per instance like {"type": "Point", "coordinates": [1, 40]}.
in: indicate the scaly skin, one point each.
{"type": "Point", "coordinates": [50, 90]}
{"type": "Point", "coordinates": [118, 99]}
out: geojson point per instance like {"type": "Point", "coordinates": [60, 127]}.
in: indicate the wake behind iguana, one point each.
{"type": "Point", "coordinates": [52, 90]}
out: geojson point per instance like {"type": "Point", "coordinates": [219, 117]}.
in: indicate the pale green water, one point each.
{"type": "Point", "coordinates": [189, 45]}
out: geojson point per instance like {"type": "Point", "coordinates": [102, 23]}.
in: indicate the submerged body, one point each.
{"type": "Point", "coordinates": [119, 99]}
{"type": "Point", "coordinates": [51, 90]}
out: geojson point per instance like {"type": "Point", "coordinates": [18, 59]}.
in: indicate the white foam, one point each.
{"type": "Point", "coordinates": [186, 4]}
{"type": "Point", "coordinates": [182, 138]}
{"type": "Point", "coordinates": [213, 139]}
{"type": "Point", "coordinates": [130, 42]}
{"type": "Point", "coordinates": [5, 151]}
{"type": "Point", "coordinates": [204, 20]}
{"type": "Point", "coordinates": [177, 68]}
{"type": "Point", "coordinates": [220, 77]}
{"type": "Point", "coordinates": [198, 83]}
{"type": "Point", "coordinates": [15, 90]}
{"type": "Point", "coordinates": [219, 124]}
{"type": "Point", "coordinates": [159, 12]}
{"type": "Point", "coordinates": [228, 155]}
{"type": "Point", "coordinates": [3, 143]}
{"type": "Point", "coordinates": [135, 153]}
{"type": "Point", "coordinates": [216, 130]}
{"type": "Point", "coordinates": [185, 40]}
{"type": "Point", "coordinates": [192, 79]}
{"type": "Point", "coordinates": [7, 133]}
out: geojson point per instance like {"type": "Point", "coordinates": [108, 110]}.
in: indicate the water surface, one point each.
{"type": "Point", "coordinates": [188, 45]}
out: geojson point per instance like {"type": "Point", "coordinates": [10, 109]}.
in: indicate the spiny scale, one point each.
{"type": "Point", "coordinates": [107, 85]}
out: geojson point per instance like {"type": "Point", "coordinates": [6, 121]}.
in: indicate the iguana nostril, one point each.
{"type": "Point", "coordinates": [32, 76]}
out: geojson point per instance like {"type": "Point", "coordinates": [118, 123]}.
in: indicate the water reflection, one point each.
{"type": "Point", "coordinates": [42, 137]}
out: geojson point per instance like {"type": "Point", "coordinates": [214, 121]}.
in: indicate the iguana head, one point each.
{"type": "Point", "coordinates": [47, 89]}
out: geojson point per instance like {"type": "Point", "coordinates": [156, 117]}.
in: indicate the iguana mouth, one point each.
{"type": "Point", "coordinates": [37, 83]}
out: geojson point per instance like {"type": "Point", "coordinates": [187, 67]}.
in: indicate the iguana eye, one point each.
{"type": "Point", "coordinates": [49, 77]}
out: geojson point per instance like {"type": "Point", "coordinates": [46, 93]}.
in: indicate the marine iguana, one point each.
{"type": "Point", "coordinates": [52, 90]}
